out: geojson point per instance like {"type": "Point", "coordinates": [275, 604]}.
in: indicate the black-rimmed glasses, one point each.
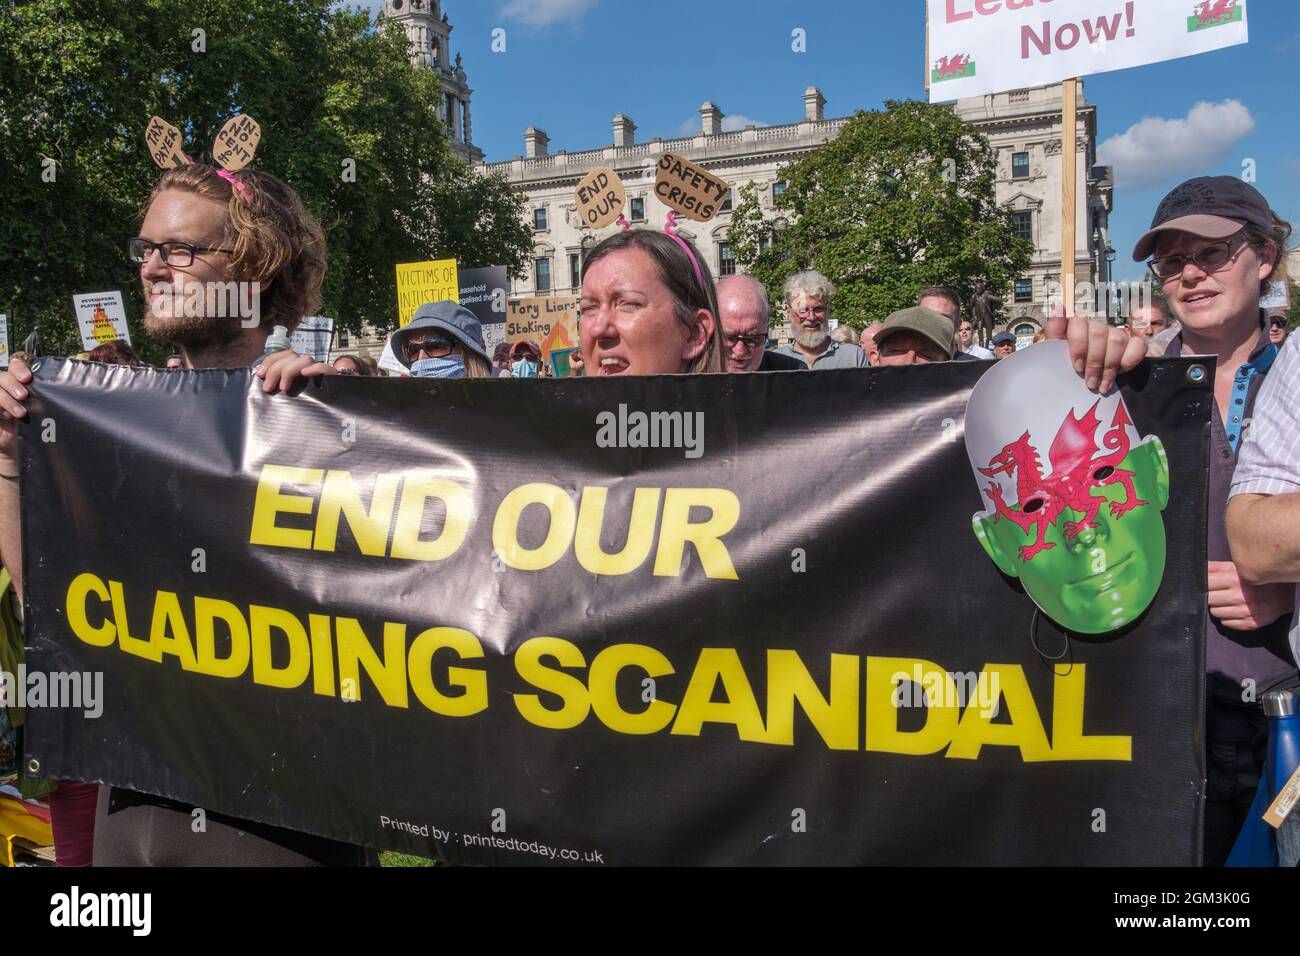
{"type": "Point", "coordinates": [173, 253]}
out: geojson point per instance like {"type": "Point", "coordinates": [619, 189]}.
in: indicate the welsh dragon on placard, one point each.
{"type": "Point", "coordinates": [1075, 473]}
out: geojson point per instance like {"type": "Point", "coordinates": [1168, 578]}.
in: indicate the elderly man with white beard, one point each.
{"type": "Point", "coordinates": [808, 307]}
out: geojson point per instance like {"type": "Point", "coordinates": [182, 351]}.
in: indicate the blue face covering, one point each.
{"type": "Point", "coordinates": [524, 369]}
{"type": "Point", "coordinates": [450, 366]}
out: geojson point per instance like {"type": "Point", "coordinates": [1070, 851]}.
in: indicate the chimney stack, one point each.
{"type": "Point", "coordinates": [712, 117]}
{"type": "Point", "coordinates": [624, 130]}
{"type": "Point", "coordinates": [814, 105]}
{"type": "Point", "coordinates": [536, 143]}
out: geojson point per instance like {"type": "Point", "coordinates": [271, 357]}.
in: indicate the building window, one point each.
{"type": "Point", "coordinates": [345, 339]}
{"type": "Point", "coordinates": [778, 187]}
{"type": "Point", "coordinates": [1020, 165]}
{"type": "Point", "coordinates": [726, 203]}
{"type": "Point", "coordinates": [451, 115]}
{"type": "Point", "coordinates": [575, 270]}
{"type": "Point", "coordinates": [543, 272]}
{"type": "Point", "coordinates": [1024, 290]}
{"type": "Point", "coordinates": [638, 209]}
{"type": "Point", "coordinates": [539, 218]}
{"type": "Point", "coordinates": [726, 260]}
{"type": "Point", "coordinates": [1022, 221]}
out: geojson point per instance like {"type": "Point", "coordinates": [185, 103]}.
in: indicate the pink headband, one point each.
{"type": "Point", "coordinates": [242, 188]}
{"type": "Point", "coordinates": [670, 228]}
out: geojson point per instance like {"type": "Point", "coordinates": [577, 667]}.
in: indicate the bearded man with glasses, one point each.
{"type": "Point", "coordinates": [1214, 243]}
{"type": "Point", "coordinates": [808, 307]}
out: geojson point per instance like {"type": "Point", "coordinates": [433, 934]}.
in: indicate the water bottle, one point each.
{"type": "Point", "coordinates": [1282, 708]}
{"type": "Point", "coordinates": [1258, 844]}
{"type": "Point", "coordinates": [278, 340]}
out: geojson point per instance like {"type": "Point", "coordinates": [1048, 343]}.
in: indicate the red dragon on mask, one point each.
{"type": "Point", "coordinates": [1076, 470]}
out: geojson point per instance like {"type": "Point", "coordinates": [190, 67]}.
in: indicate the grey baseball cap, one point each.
{"type": "Point", "coordinates": [1003, 338]}
{"type": "Point", "coordinates": [933, 325]}
{"type": "Point", "coordinates": [456, 320]}
{"type": "Point", "coordinates": [1213, 207]}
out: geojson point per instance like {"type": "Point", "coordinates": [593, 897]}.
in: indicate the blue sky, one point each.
{"type": "Point", "coordinates": [570, 65]}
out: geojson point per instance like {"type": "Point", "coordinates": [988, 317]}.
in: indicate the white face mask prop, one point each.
{"type": "Point", "coordinates": [1073, 493]}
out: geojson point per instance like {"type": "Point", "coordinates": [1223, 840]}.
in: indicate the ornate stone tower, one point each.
{"type": "Point", "coordinates": [430, 38]}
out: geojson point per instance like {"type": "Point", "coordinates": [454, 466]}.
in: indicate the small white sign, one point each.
{"type": "Point", "coordinates": [313, 336]}
{"type": "Point", "coordinates": [1276, 296]}
{"type": "Point", "coordinates": [101, 318]}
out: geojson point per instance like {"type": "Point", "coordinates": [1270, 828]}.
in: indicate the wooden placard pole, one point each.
{"type": "Point", "coordinates": [1069, 187]}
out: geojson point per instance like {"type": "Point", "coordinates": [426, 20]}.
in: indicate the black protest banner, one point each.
{"type": "Point", "coordinates": [641, 620]}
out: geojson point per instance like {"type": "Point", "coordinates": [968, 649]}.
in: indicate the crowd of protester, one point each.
{"type": "Point", "coordinates": [649, 306]}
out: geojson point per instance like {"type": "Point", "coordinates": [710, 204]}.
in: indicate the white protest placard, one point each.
{"type": "Point", "coordinates": [313, 336]}
{"type": "Point", "coordinates": [100, 318]}
{"type": "Point", "coordinates": [989, 46]}
{"type": "Point", "coordinates": [4, 341]}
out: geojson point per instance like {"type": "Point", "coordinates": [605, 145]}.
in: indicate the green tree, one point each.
{"type": "Point", "coordinates": [80, 78]}
{"type": "Point", "coordinates": [902, 199]}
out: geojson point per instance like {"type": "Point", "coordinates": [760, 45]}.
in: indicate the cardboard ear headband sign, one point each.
{"type": "Point", "coordinates": [236, 143]}
{"type": "Point", "coordinates": [600, 197]}
{"type": "Point", "coordinates": [164, 141]}
{"type": "Point", "coordinates": [688, 189]}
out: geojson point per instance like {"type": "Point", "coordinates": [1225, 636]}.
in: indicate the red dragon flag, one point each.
{"type": "Point", "coordinates": [1074, 495]}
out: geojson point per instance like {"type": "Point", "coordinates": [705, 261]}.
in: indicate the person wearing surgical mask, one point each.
{"type": "Point", "coordinates": [527, 361]}
{"type": "Point", "coordinates": [443, 340]}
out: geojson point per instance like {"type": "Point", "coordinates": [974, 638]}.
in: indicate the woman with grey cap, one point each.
{"type": "Point", "coordinates": [443, 340]}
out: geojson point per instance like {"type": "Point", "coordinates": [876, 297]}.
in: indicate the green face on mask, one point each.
{"type": "Point", "coordinates": [1104, 576]}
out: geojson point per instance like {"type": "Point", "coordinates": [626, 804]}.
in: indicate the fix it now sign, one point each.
{"type": "Point", "coordinates": [988, 46]}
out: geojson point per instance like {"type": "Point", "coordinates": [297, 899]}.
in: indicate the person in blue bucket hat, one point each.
{"type": "Point", "coordinates": [443, 340]}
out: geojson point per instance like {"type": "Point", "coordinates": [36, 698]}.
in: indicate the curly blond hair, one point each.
{"type": "Point", "coordinates": [277, 241]}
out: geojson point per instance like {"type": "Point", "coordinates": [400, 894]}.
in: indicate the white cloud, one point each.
{"type": "Point", "coordinates": [543, 13]}
{"type": "Point", "coordinates": [730, 124]}
{"type": "Point", "coordinates": [1155, 149]}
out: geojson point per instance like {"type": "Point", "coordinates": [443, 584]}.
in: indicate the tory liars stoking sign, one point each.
{"type": "Point", "coordinates": [421, 282]}
{"type": "Point", "coordinates": [988, 46]}
{"type": "Point", "coordinates": [550, 322]}
{"type": "Point", "coordinates": [100, 318]}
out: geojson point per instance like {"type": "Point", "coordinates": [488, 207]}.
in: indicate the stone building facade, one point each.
{"type": "Point", "coordinates": [1024, 127]}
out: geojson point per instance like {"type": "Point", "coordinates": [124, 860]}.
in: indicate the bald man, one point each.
{"type": "Point", "coordinates": [745, 313]}
{"type": "Point", "coordinates": [868, 341]}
